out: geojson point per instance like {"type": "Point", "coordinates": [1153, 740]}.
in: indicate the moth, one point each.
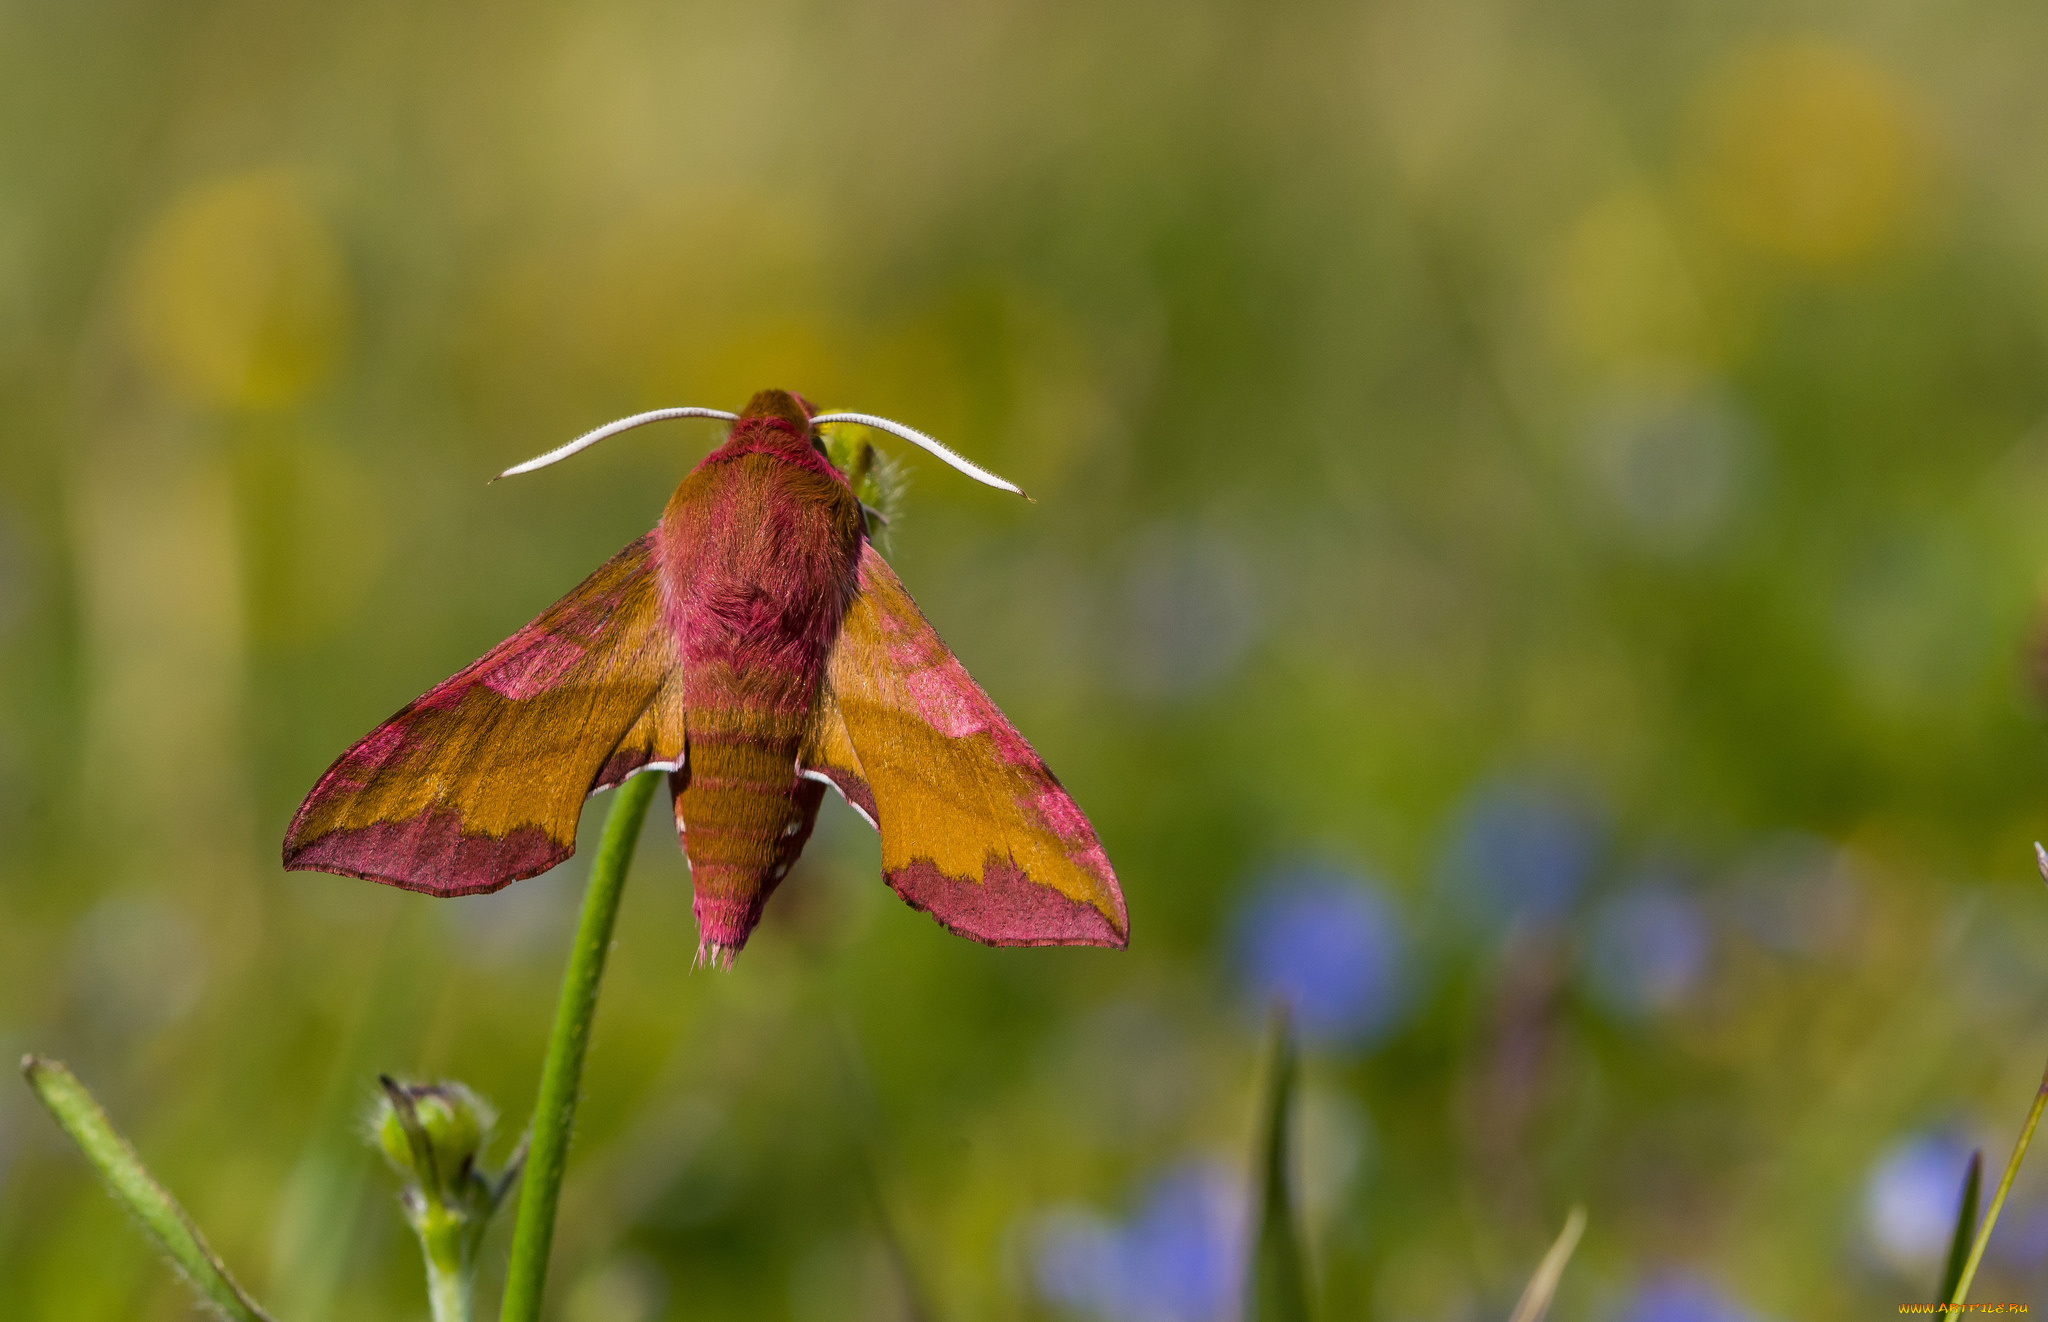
{"type": "Point", "coordinates": [756, 647]}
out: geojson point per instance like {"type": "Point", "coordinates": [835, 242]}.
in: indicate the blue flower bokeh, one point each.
{"type": "Point", "coordinates": [1647, 949]}
{"type": "Point", "coordinates": [1327, 944]}
{"type": "Point", "coordinates": [1520, 852]}
{"type": "Point", "coordinates": [1681, 1298]}
{"type": "Point", "coordinates": [1911, 1196]}
{"type": "Point", "coordinates": [1179, 1259]}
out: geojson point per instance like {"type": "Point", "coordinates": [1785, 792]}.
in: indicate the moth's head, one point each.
{"type": "Point", "coordinates": [792, 409]}
{"type": "Point", "coordinates": [874, 481]}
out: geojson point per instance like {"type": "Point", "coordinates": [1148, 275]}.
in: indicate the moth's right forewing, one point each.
{"type": "Point", "coordinates": [975, 829]}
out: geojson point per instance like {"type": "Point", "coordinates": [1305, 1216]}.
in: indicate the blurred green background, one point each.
{"type": "Point", "coordinates": [1540, 546]}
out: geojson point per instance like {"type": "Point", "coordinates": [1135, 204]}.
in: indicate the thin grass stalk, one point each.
{"type": "Point", "coordinates": [554, 1112]}
{"type": "Point", "coordinates": [2012, 1168]}
{"type": "Point", "coordinates": [1278, 1290]}
{"type": "Point", "coordinates": [1542, 1287]}
{"type": "Point", "coordinates": [161, 1218]}
{"type": "Point", "coordinates": [865, 1126]}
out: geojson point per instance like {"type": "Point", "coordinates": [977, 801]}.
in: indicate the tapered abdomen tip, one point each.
{"type": "Point", "coordinates": [724, 923]}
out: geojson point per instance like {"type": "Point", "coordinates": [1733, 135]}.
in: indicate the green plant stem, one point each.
{"type": "Point", "coordinates": [448, 1241]}
{"type": "Point", "coordinates": [450, 1286]}
{"type": "Point", "coordinates": [2012, 1168]}
{"type": "Point", "coordinates": [561, 1076]}
{"type": "Point", "coordinates": [130, 1182]}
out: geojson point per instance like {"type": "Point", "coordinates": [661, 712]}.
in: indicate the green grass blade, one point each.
{"type": "Point", "coordinates": [162, 1219]}
{"type": "Point", "coordinates": [2012, 1168]}
{"type": "Point", "coordinates": [1966, 1222]}
{"type": "Point", "coordinates": [561, 1076]}
{"type": "Point", "coordinates": [1278, 1289]}
{"type": "Point", "coordinates": [1542, 1287]}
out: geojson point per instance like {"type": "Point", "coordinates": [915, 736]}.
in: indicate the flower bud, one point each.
{"type": "Point", "coordinates": [432, 1133]}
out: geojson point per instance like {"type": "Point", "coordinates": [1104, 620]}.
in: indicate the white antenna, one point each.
{"type": "Point", "coordinates": [918, 438]}
{"type": "Point", "coordinates": [590, 438]}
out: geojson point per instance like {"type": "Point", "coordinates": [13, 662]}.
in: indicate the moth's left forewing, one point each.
{"type": "Point", "coordinates": [481, 781]}
{"type": "Point", "coordinates": [975, 829]}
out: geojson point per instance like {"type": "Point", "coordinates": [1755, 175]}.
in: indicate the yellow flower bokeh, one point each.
{"type": "Point", "coordinates": [1810, 153]}
{"type": "Point", "coordinates": [239, 298]}
{"type": "Point", "coordinates": [1622, 289]}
